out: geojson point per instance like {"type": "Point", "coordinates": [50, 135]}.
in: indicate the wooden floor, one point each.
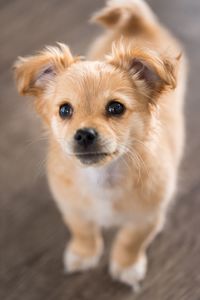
{"type": "Point", "coordinates": [32, 235]}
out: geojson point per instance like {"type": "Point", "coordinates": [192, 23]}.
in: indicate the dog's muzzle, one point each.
{"type": "Point", "coordinates": [86, 146]}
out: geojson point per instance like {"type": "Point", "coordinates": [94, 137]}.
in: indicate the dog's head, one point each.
{"type": "Point", "coordinates": [95, 109]}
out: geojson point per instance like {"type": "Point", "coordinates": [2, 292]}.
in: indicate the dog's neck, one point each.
{"type": "Point", "coordinates": [108, 175]}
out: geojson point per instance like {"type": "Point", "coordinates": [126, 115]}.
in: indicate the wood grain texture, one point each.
{"type": "Point", "coordinates": [32, 235]}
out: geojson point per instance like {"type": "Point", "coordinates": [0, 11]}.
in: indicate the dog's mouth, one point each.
{"type": "Point", "coordinates": [92, 158]}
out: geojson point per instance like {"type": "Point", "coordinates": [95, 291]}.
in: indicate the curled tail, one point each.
{"type": "Point", "coordinates": [131, 15]}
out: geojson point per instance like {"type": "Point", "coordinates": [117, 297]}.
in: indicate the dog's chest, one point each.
{"type": "Point", "coordinates": [105, 188]}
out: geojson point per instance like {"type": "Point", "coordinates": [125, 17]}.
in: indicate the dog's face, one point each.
{"type": "Point", "coordinates": [91, 111]}
{"type": "Point", "coordinates": [95, 109]}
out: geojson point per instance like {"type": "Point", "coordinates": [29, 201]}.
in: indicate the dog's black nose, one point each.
{"type": "Point", "coordinates": [85, 137]}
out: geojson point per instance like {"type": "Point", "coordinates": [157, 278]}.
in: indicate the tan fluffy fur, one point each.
{"type": "Point", "coordinates": [133, 186]}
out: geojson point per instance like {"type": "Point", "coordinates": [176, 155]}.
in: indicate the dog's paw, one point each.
{"type": "Point", "coordinates": [73, 262]}
{"type": "Point", "coordinates": [131, 275]}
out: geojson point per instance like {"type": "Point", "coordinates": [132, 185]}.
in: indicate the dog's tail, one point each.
{"type": "Point", "coordinates": [133, 16]}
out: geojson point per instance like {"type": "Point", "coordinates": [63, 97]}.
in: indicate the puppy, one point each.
{"type": "Point", "coordinates": [116, 133]}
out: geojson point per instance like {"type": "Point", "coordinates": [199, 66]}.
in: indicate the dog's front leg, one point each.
{"type": "Point", "coordinates": [85, 247]}
{"type": "Point", "coordinates": [128, 257]}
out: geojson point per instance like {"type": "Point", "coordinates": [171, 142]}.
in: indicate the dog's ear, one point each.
{"type": "Point", "coordinates": [151, 73]}
{"type": "Point", "coordinates": [34, 73]}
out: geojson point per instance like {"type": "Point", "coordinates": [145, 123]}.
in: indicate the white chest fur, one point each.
{"type": "Point", "coordinates": [104, 185]}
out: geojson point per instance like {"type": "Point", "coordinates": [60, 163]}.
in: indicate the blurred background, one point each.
{"type": "Point", "coordinates": [32, 235]}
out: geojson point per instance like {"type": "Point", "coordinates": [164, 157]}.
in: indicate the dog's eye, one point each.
{"type": "Point", "coordinates": [65, 111]}
{"type": "Point", "coordinates": [115, 108]}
